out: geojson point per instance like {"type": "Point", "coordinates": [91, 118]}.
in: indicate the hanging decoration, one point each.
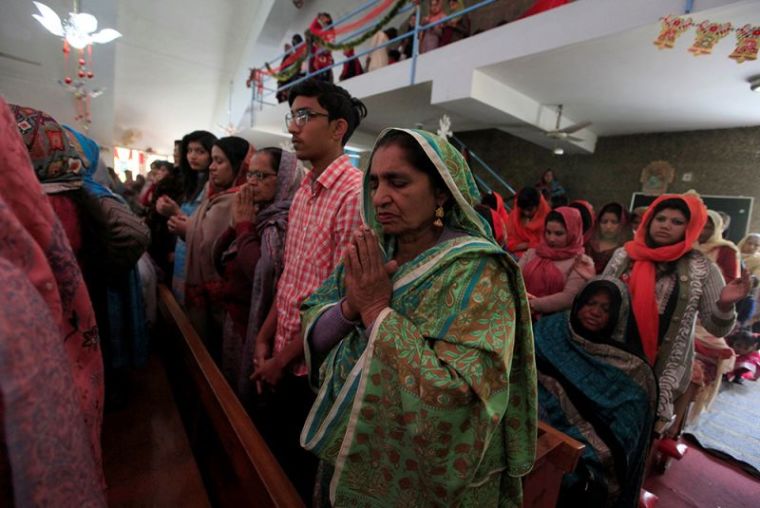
{"type": "Point", "coordinates": [82, 95]}
{"type": "Point", "coordinates": [709, 34]}
{"type": "Point", "coordinates": [291, 67]}
{"type": "Point", "coordinates": [78, 31]}
{"type": "Point", "coordinates": [747, 43]}
{"type": "Point", "coordinates": [444, 127]}
{"type": "Point", "coordinates": [320, 39]}
{"type": "Point", "coordinates": [671, 28]}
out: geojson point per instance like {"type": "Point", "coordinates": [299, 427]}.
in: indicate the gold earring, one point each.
{"type": "Point", "coordinates": [438, 222]}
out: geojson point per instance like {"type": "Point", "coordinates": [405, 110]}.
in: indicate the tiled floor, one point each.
{"type": "Point", "coordinates": [146, 455]}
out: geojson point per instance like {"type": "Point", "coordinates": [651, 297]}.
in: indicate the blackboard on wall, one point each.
{"type": "Point", "coordinates": [738, 207]}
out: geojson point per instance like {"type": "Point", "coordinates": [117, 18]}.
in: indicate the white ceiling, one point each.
{"type": "Point", "coordinates": [625, 85]}
{"type": "Point", "coordinates": [174, 64]}
{"type": "Point", "coordinates": [170, 72]}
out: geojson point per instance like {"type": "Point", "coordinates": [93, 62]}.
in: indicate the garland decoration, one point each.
{"type": "Point", "coordinates": [288, 72]}
{"type": "Point", "coordinates": [709, 34]}
{"type": "Point", "coordinates": [321, 41]}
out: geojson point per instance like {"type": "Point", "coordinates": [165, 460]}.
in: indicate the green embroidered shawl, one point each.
{"type": "Point", "coordinates": [437, 406]}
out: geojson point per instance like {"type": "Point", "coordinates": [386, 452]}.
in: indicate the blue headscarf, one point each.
{"type": "Point", "coordinates": [90, 153]}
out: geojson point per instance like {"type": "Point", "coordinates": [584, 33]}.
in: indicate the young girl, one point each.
{"type": "Point", "coordinates": [557, 269]}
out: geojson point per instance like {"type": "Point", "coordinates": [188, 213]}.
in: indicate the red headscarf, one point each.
{"type": "Point", "coordinates": [499, 219]}
{"type": "Point", "coordinates": [642, 281]}
{"type": "Point", "coordinates": [530, 233]}
{"type": "Point", "coordinates": [542, 277]}
{"type": "Point", "coordinates": [587, 234]}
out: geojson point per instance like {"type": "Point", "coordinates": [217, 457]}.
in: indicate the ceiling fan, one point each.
{"type": "Point", "coordinates": [566, 133]}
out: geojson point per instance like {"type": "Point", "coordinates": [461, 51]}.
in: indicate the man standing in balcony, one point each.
{"type": "Point", "coordinates": [324, 213]}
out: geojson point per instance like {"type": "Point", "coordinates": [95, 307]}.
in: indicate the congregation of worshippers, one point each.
{"type": "Point", "coordinates": [394, 333]}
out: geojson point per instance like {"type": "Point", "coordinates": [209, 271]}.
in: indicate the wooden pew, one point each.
{"type": "Point", "coordinates": [238, 467]}
{"type": "Point", "coordinates": [556, 455]}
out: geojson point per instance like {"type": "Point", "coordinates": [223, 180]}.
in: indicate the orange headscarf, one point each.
{"type": "Point", "coordinates": [642, 282]}
{"type": "Point", "coordinates": [530, 233]}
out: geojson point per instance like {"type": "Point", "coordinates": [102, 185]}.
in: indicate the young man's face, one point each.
{"type": "Point", "coordinates": [312, 132]}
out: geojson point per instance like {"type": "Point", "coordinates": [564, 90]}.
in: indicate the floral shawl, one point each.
{"type": "Point", "coordinates": [599, 391]}
{"type": "Point", "coordinates": [35, 242]}
{"type": "Point", "coordinates": [437, 406]}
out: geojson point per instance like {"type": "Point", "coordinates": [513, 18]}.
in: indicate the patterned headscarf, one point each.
{"type": "Point", "coordinates": [89, 151]}
{"type": "Point", "coordinates": [456, 175]}
{"type": "Point", "coordinates": [56, 161]}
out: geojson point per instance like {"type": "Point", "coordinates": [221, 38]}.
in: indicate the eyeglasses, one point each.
{"type": "Point", "coordinates": [302, 116]}
{"type": "Point", "coordinates": [258, 176]}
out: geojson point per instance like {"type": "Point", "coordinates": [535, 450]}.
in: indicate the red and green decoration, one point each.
{"type": "Point", "coordinates": [315, 37]}
{"type": "Point", "coordinates": [708, 35]}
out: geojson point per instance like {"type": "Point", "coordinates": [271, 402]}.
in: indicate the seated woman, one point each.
{"type": "Point", "coordinates": [586, 210]}
{"type": "Point", "coordinates": [611, 231]}
{"type": "Point", "coordinates": [204, 283]}
{"type": "Point", "coordinates": [595, 386]}
{"type": "Point", "coordinates": [551, 189]}
{"type": "Point", "coordinates": [671, 285]}
{"type": "Point", "coordinates": [249, 255]}
{"type": "Point", "coordinates": [525, 226]}
{"type": "Point", "coordinates": [422, 350]}
{"type": "Point", "coordinates": [636, 215]}
{"type": "Point", "coordinates": [557, 269]}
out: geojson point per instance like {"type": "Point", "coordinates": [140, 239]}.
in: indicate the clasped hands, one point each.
{"type": "Point", "coordinates": [367, 278]}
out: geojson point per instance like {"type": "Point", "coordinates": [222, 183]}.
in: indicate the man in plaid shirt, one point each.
{"type": "Point", "coordinates": [324, 213]}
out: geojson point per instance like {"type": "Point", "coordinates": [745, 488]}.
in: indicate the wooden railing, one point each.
{"type": "Point", "coordinates": [237, 465]}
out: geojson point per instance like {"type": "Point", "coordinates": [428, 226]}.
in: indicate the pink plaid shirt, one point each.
{"type": "Point", "coordinates": [322, 217]}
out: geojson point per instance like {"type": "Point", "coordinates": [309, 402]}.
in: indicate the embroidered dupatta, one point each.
{"type": "Point", "coordinates": [438, 405]}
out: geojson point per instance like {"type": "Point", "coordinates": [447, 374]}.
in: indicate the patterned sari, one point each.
{"type": "Point", "coordinates": [437, 405]}
{"type": "Point", "coordinates": [599, 391]}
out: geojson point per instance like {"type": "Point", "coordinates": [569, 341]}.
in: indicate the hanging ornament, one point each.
{"type": "Point", "coordinates": [747, 43]}
{"type": "Point", "coordinates": [709, 34]}
{"type": "Point", "coordinates": [671, 29]}
{"type": "Point", "coordinates": [82, 96]}
{"type": "Point", "coordinates": [444, 127]}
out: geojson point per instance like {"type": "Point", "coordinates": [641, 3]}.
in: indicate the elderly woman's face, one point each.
{"type": "Point", "coordinates": [403, 196]}
{"type": "Point", "coordinates": [595, 314]}
{"type": "Point", "coordinates": [262, 177]}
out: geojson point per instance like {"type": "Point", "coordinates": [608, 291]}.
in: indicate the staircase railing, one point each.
{"type": "Point", "coordinates": [507, 191]}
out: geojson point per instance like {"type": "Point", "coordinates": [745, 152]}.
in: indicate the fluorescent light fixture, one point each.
{"type": "Point", "coordinates": [559, 151]}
